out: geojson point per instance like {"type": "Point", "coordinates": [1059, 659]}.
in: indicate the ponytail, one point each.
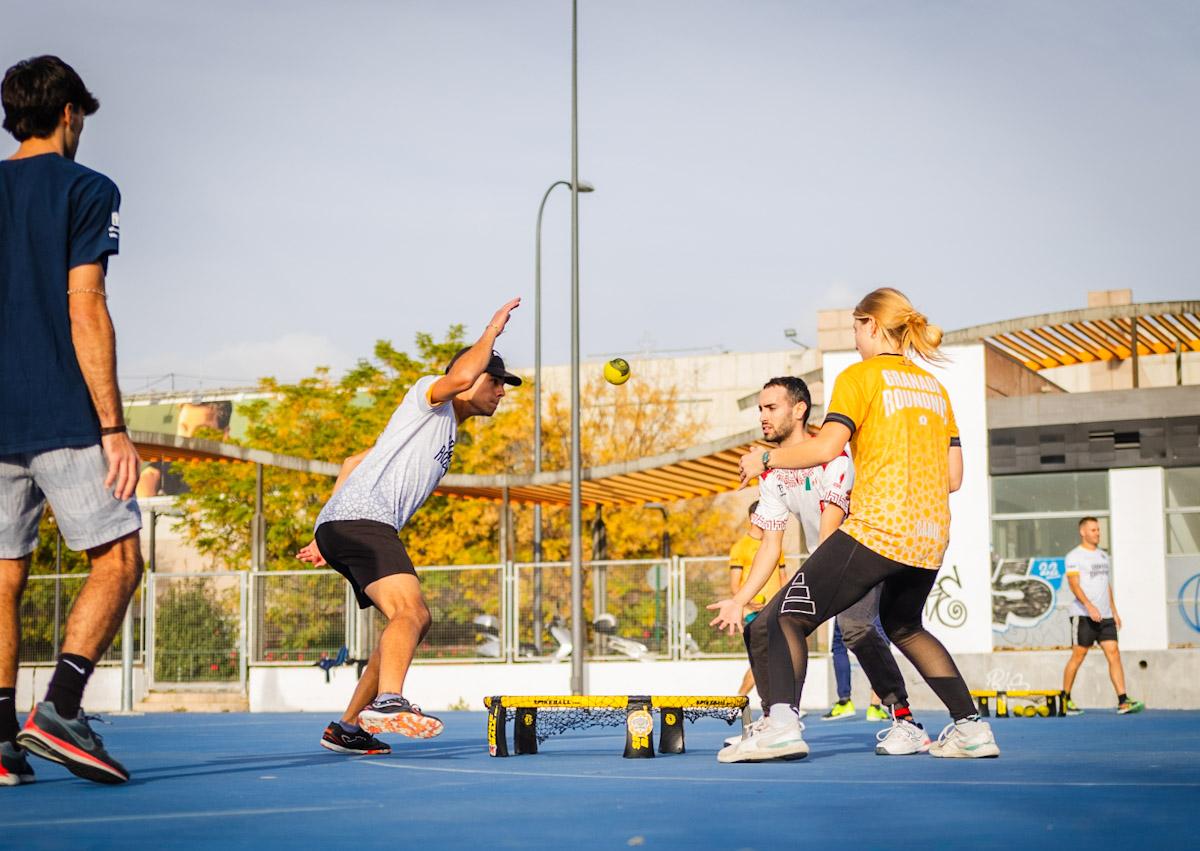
{"type": "Point", "coordinates": [901, 323]}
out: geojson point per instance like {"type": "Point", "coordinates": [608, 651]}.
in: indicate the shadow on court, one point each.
{"type": "Point", "coordinates": [255, 781]}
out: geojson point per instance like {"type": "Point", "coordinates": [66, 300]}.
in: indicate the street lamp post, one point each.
{"type": "Point", "coordinates": [538, 619]}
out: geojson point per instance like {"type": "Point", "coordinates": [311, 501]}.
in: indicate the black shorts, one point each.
{"type": "Point", "coordinates": [363, 551]}
{"type": "Point", "coordinates": [1088, 632]}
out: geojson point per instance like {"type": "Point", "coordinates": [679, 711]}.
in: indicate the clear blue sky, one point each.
{"type": "Point", "coordinates": [303, 178]}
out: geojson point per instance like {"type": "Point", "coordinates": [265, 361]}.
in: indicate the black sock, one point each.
{"type": "Point", "coordinates": [1122, 698]}
{"type": "Point", "coordinates": [8, 715]}
{"type": "Point", "coordinates": [1066, 695]}
{"type": "Point", "coordinates": [66, 686]}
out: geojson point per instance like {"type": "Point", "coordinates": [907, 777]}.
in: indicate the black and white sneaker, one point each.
{"type": "Point", "coordinates": [71, 742]}
{"type": "Point", "coordinates": [336, 739]}
{"type": "Point", "coordinates": [391, 713]}
{"type": "Point", "coordinates": [14, 767]}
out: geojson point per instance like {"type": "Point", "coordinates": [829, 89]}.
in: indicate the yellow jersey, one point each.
{"type": "Point", "coordinates": [902, 428]}
{"type": "Point", "coordinates": [742, 555]}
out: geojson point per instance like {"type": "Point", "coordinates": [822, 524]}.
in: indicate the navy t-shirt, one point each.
{"type": "Point", "coordinates": [54, 215]}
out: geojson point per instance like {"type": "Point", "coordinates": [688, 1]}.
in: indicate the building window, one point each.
{"type": "Point", "coordinates": [1035, 523]}
{"type": "Point", "coordinates": [1183, 556]}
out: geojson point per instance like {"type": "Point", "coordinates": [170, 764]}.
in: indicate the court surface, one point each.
{"type": "Point", "coordinates": [254, 781]}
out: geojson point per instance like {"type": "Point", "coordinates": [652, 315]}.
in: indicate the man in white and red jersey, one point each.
{"type": "Point", "coordinates": [819, 497]}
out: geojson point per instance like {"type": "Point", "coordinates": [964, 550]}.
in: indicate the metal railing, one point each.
{"type": "Point", "coordinates": [210, 627]}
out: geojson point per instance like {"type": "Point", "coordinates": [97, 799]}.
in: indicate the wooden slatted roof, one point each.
{"type": "Point", "coordinates": [1094, 334]}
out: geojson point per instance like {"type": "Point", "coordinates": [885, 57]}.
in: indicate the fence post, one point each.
{"type": "Point", "coordinates": [149, 605]}
{"type": "Point", "coordinates": [244, 627]}
{"type": "Point", "coordinates": [127, 659]}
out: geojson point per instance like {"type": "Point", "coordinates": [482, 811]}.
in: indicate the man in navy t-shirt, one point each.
{"type": "Point", "coordinates": [62, 431]}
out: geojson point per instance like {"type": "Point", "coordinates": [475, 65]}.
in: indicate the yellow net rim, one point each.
{"type": "Point", "coordinates": [690, 701]}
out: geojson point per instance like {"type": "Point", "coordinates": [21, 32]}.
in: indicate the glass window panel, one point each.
{"type": "Point", "coordinates": [1050, 492]}
{"type": "Point", "coordinates": [1043, 536]}
{"type": "Point", "coordinates": [1183, 487]}
{"type": "Point", "coordinates": [1183, 534]}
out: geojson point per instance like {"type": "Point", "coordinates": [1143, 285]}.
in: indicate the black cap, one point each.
{"type": "Point", "coordinates": [494, 368]}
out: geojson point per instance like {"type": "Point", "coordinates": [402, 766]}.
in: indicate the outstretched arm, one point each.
{"type": "Point", "coordinates": [471, 365]}
{"type": "Point", "coordinates": [821, 449]}
{"type": "Point", "coordinates": [95, 344]}
{"type": "Point", "coordinates": [729, 611]}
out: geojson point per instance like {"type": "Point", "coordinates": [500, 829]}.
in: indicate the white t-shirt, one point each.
{"type": "Point", "coordinates": [404, 465]}
{"type": "Point", "coordinates": [1093, 570]}
{"type": "Point", "coordinates": [804, 493]}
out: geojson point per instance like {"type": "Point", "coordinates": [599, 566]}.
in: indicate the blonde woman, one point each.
{"type": "Point", "coordinates": [905, 444]}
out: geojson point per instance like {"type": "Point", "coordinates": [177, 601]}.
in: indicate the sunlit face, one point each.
{"type": "Point", "coordinates": [484, 396]}
{"type": "Point", "coordinates": [195, 417]}
{"type": "Point", "coordinates": [1089, 533]}
{"type": "Point", "coordinates": [866, 335]}
{"type": "Point", "coordinates": [777, 415]}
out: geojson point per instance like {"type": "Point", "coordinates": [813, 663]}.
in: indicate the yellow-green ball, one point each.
{"type": "Point", "coordinates": [1043, 710]}
{"type": "Point", "coordinates": [616, 371]}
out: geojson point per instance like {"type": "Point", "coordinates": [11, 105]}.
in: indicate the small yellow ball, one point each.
{"type": "Point", "coordinates": [1044, 711]}
{"type": "Point", "coordinates": [616, 371]}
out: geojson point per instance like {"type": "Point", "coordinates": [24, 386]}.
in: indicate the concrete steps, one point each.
{"type": "Point", "coordinates": [194, 701]}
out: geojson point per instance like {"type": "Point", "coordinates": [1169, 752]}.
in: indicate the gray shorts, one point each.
{"type": "Point", "coordinates": [72, 479]}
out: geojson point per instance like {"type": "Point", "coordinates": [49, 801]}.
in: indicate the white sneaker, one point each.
{"type": "Point", "coordinates": [785, 741]}
{"type": "Point", "coordinates": [756, 726]}
{"type": "Point", "coordinates": [966, 739]}
{"type": "Point", "coordinates": [902, 738]}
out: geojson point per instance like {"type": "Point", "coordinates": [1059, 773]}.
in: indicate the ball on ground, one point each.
{"type": "Point", "coordinates": [1043, 710]}
{"type": "Point", "coordinates": [616, 371]}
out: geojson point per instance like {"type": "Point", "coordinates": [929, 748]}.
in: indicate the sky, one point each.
{"type": "Point", "coordinates": [301, 179]}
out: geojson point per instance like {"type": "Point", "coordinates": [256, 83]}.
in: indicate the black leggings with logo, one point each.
{"type": "Point", "coordinates": [835, 577]}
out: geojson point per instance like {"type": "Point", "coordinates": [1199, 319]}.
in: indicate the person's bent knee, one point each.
{"type": "Point", "coordinates": [854, 632]}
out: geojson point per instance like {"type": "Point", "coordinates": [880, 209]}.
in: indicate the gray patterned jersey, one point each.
{"type": "Point", "coordinates": [404, 466]}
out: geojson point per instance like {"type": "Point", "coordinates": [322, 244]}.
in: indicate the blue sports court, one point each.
{"type": "Point", "coordinates": [254, 781]}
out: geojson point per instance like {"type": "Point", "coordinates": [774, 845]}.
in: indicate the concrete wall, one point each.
{"type": "Point", "coordinates": [103, 691]}
{"type": "Point", "coordinates": [1164, 679]}
{"type": "Point", "coordinates": [1139, 555]}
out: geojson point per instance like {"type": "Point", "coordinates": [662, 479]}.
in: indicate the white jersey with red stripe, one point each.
{"type": "Point", "coordinates": [803, 493]}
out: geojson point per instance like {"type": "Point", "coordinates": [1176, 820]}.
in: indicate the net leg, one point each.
{"type": "Point", "coordinates": [1001, 704]}
{"type": "Point", "coordinates": [670, 736]}
{"type": "Point", "coordinates": [1058, 708]}
{"type": "Point", "coordinates": [639, 729]}
{"type": "Point", "coordinates": [496, 724]}
{"type": "Point", "coordinates": [525, 731]}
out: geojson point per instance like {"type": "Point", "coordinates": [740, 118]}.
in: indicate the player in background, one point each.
{"type": "Point", "coordinates": [906, 449]}
{"type": "Point", "coordinates": [375, 494]}
{"type": "Point", "coordinates": [819, 497]}
{"type": "Point", "coordinates": [1094, 616]}
{"type": "Point", "coordinates": [741, 559]}
{"type": "Point", "coordinates": [844, 709]}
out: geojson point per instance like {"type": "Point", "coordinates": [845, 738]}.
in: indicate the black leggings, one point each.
{"type": "Point", "coordinates": [860, 636]}
{"type": "Point", "coordinates": [835, 577]}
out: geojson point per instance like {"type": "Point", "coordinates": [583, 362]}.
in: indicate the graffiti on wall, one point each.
{"type": "Point", "coordinates": [1189, 602]}
{"type": "Point", "coordinates": [1025, 602]}
{"type": "Point", "coordinates": [942, 605]}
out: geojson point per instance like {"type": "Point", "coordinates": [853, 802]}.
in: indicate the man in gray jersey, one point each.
{"type": "Point", "coordinates": [375, 494]}
{"type": "Point", "coordinates": [1094, 615]}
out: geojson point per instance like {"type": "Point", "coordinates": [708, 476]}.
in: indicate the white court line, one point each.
{"type": "Point", "coordinates": [655, 778]}
{"type": "Point", "coordinates": [272, 811]}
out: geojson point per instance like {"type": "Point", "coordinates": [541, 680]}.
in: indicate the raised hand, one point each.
{"type": "Point", "coordinates": [500, 318]}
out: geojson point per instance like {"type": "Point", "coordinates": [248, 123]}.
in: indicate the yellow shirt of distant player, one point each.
{"type": "Point", "coordinates": [742, 554]}
{"type": "Point", "coordinates": [903, 427]}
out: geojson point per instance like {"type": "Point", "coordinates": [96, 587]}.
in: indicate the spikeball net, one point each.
{"type": "Point", "coordinates": [535, 718]}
